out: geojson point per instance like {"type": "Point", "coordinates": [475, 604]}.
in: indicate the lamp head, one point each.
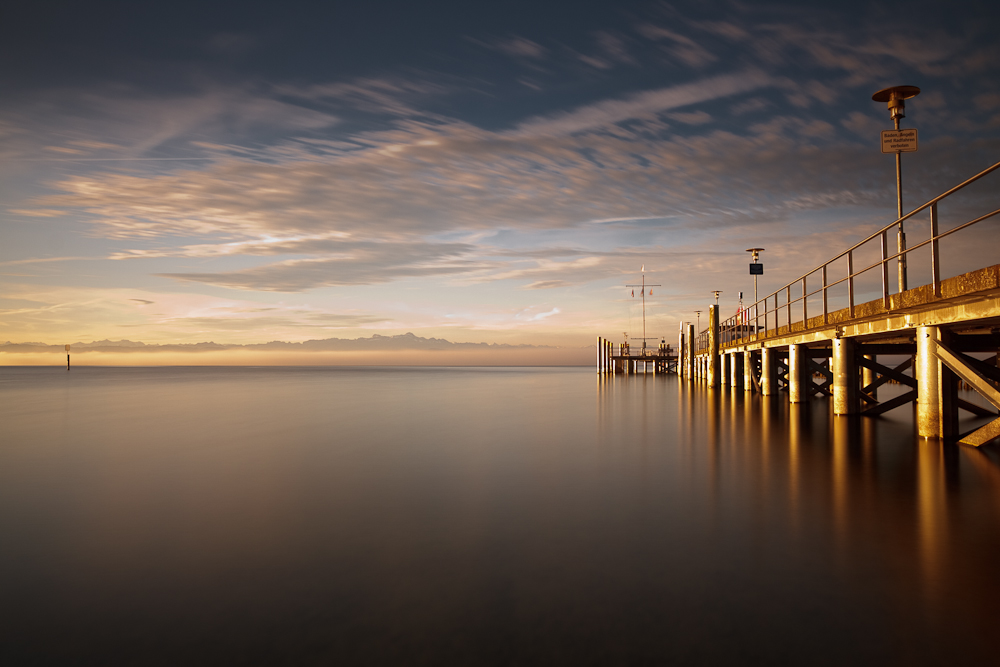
{"type": "Point", "coordinates": [895, 97]}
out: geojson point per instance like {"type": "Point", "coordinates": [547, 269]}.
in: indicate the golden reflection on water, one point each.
{"type": "Point", "coordinates": [932, 515]}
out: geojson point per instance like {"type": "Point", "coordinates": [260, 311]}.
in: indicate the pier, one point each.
{"type": "Point", "coordinates": [821, 334]}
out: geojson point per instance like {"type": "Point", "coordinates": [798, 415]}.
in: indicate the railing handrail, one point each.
{"type": "Point", "coordinates": [730, 323]}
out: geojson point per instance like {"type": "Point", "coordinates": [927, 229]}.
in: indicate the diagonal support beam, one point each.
{"type": "Point", "coordinates": [977, 410]}
{"type": "Point", "coordinates": [888, 373]}
{"type": "Point", "coordinates": [891, 404]}
{"type": "Point", "coordinates": [975, 379]}
{"type": "Point", "coordinates": [956, 362]}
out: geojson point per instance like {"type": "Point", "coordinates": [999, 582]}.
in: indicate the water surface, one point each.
{"type": "Point", "coordinates": [478, 516]}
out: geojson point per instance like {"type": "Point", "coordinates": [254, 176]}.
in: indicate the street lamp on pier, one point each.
{"type": "Point", "coordinates": [895, 141]}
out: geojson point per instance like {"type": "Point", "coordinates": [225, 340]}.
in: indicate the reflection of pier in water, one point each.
{"type": "Point", "coordinates": [928, 339]}
{"type": "Point", "coordinates": [796, 475]}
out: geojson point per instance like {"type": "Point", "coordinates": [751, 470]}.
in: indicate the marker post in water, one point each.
{"type": "Point", "coordinates": [67, 357]}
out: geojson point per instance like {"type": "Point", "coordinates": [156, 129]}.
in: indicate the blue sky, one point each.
{"type": "Point", "coordinates": [247, 172]}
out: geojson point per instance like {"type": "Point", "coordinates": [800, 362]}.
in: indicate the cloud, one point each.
{"type": "Point", "coordinates": [519, 47]}
{"type": "Point", "coordinates": [547, 284]}
{"type": "Point", "coordinates": [690, 117]}
{"type": "Point", "coordinates": [682, 48]}
{"type": "Point", "coordinates": [608, 112]}
{"type": "Point", "coordinates": [363, 263]}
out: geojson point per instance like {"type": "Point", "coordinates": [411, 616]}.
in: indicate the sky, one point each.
{"type": "Point", "coordinates": [178, 173]}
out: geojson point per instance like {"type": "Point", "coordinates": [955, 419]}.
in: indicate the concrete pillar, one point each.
{"type": "Point", "coordinates": [748, 358]}
{"type": "Point", "coordinates": [714, 365]}
{"type": "Point", "coordinates": [600, 355]}
{"type": "Point", "coordinates": [727, 373]}
{"type": "Point", "coordinates": [799, 380]}
{"type": "Point", "coordinates": [736, 370]}
{"type": "Point", "coordinates": [681, 351]}
{"type": "Point", "coordinates": [937, 389]}
{"type": "Point", "coordinates": [689, 358]}
{"type": "Point", "coordinates": [868, 376]}
{"type": "Point", "coordinates": [845, 377]}
{"type": "Point", "coordinates": [768, 372]}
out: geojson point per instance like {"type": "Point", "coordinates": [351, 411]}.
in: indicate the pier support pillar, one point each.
{"type": "Point", "coordinates": [681, 351]}
{"type": "Point", "coordinates": [868, 376]}
{"type": "Point", "coordinates": [799, 378]}
{"type": "Point", "coordinates": [768, 372]}
{"type": "Point", "coordinates": [689, 350]}
{"type": "Point", "coordinates": [736, 369]}
{"type": "Point", "coordinates": [727, 373]}
{"type": "Point", "coordinates": [937, 389]}
{"type": "Point", "coordinates": [748, 366]}
{"type": "Point", "coordinates": [714, 365]}
{"type": "Point", "coordinates": [845, 377]}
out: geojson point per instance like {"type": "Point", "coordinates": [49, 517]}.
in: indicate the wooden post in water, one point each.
{"type": "Point", "coordinates": [689, 357]}
{"type": "Point", "coordinates": [67, 357]}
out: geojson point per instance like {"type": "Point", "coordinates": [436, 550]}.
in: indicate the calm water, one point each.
{"type": "Point", "coordinates": [478, 516]}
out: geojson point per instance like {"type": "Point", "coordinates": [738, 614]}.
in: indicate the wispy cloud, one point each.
{"type": "Point", "coordinates": [640, 105]}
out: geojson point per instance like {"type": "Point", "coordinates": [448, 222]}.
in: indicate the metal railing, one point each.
{"type": "Point", "coordinates": [765, 318]}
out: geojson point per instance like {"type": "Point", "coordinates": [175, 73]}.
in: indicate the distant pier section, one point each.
{"type": "Point", "coordinates": [619, 359]}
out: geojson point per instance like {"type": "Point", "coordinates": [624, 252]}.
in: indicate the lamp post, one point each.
{"type": "Point", "coordinates": [756, 269]}
{"type": "Point", "coordinates": [895, 97]}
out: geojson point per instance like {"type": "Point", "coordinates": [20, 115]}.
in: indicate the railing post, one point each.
{"type": "Point", "coordinates": [826, 307]}
{"type": "Point", "coordinates": [935, 253]}
{"type": "Point", "coordinates": [805, 301]}
{"type": "Point", "coordinates": [850, 282]}
{"type": "Point", "coordinates": [885, 270]}
{"type": "Point", "coordinates": [788, 306]}
{"type": "Point", "coordinates": [765, 317]}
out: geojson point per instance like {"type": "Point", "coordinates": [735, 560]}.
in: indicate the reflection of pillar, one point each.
{"type": "Point", "coordinates": [714, 367]}
{"type": "Point", "coordinates": [768, 372]}
{"type": "Point", "coordinates": [798, 376]}
{"type": "Point", "coordinates": [737, 370]}
{"type": "Point", "coordinates": [937, 389]}
{"type": "Point", "coordinates": [748, 362]}
{"type": "Point", "coordinates": [932, 512]}
{"type": "Point", "coordinates": [798, 416]}
{"type": "Point", "coordinates": [845, 377]}
{"type": "Point", "coordinates": [843, 433]}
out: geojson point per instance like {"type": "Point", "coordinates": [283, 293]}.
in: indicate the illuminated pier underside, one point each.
{"type": "Point", "coordinates": [933, 334]}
